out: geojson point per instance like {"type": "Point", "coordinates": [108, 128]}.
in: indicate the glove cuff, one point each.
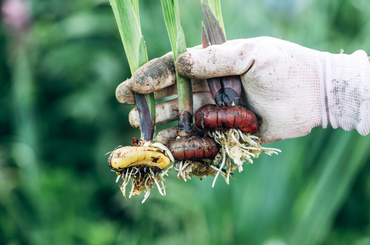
{"type": "Point", "coordinates": [346, 88]}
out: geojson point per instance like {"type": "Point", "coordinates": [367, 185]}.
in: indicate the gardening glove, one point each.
{"type": "Point", "coordinates": [290, 87]}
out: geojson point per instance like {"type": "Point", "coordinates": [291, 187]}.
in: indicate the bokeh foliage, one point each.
{"type": "Point", "coordinates": [59, 117]}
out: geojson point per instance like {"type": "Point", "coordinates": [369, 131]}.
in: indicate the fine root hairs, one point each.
{"type": "Point", "coordinates": [143, 178]}
{"type": "Point", "coordinates": [237, 148]}
{"type": "Point", "coordinates": [201, 168]}
{"type": "Point", "coordinates": [142, 181]}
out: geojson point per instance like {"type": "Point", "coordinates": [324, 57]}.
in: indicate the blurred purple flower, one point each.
{"type": "Point", "coordinates": [16, 15]}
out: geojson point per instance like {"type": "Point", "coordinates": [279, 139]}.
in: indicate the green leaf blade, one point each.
{"type": "Point", "coordinates": [129, 30]}
{"type": "Point", "coordinates": [184, 90]}
{"type": "Point", "coordinates": [171, 15]}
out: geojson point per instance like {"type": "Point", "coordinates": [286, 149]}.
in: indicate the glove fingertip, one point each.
{"type": "Point", "coordinates": [134, 118]}
{"type": "Point", "coordinates": [155, 75]}
{"type": "Point", "coordinates": [184, 65]}
{"type": "Point", "coordinates": [124, 94]}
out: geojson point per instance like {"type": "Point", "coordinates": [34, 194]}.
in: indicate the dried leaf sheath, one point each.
{"type": "Point", "coordinates": [146, 123]}
{"type": "Point", "coordinates": [215, 33]}
{"type": "Point", "coordinates": [214, 84]}
{"type": "Point", "coordinates": [225, 90]}
{"type": "Point", "coordinates": [216, 7]}
{"type": "Point", "coordinates": [145, 103]}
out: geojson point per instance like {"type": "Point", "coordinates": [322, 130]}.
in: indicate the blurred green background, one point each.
{"type": "Point", "coordinates": [59, 117]}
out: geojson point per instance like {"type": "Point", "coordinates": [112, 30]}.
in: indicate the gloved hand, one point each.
{"type": "Point", "coordinates": [290, 87]}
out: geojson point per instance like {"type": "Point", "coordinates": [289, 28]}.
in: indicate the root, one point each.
{"type": "Point", "coordinates": [142, 179]}
{"type": "Point", "coordinates": [188, 168]}
{"type": "Point", "coordinates": [237, 148]}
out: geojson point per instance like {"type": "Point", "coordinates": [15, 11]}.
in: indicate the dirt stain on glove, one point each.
{"type": "Point", "coordinates": [184, 66]}
{"type": "Point", "coordinates": [155, 75]}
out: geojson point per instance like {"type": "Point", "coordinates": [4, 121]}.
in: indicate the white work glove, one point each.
{"type": "Point", "coordinates": [290, 87]}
